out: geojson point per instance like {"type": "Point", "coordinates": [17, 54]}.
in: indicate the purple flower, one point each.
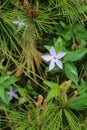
{"type": "Point", "coordinates": [12, 94]}
{"type": "Point", "coordinates": [54, 58]}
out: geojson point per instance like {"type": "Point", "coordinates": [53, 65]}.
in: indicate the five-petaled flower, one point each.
{"type": "Point", "coordinates": [54, 58]}
{"type": "Point", "coordinates": [12, 94]}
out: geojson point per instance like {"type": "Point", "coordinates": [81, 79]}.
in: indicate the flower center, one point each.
{"type": "Point", "coordinates": [54, 58]}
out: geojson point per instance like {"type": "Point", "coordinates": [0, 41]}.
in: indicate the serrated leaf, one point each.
{"type": "Point", "coordinates": [75, 55]}
{"type": "Point", "coordinates": [71, 72]}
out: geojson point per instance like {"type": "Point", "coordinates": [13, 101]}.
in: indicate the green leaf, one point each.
{"type": "Point", "coordinates": [2, 105]}
{"type": "Point", "coordinates": [51, 84]}
{"type": "Point", "coordinates": [13, 2]}
{"type": "Point", "coordinates": [62, 24]}
{"type": "Point", "coordinates": [22, 91]}
{"type": "Point", "coordinates": [75, 55]}
{"type": "Point", "coordinates": [47, 47]}
{"type": "Point", "coordinates": [58, 44]}
{"type": "Point", "coordinates": [3, 96]}
{"type": "Point", "coordinates": [80, 102]}
{"type": "Point", "coordinates": [71, 72]}
{"type": "Point", "coordinates": [71, 119]}
{"type": "Point", "coordinates": [83, 83]}
{"type": "Point", "coordinates": [54, 92]}
{"type": "Point", "coordinates": [5, 82]}
{"type": "Point", "coordinates": [0, 65]}
{"type": "Point", "coordinates": [10, 81]}
{"type": "Point", "coordinates": [68, 35]}
{"type": "Point", "coordinates": [3, 79]}
{"type": "Point", "coordinates": [80, 32]}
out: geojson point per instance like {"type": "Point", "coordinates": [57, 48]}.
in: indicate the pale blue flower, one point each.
{"type": "Point", "coordinates": [12, 94]}
{"type": "Point", "coordinates": [54, 58]}
{"type": "Point", "coordinates": [19, 22]}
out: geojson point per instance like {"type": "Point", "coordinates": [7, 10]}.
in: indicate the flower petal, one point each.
{"type": "Point", "coordinates": [61, 54]}
{"type": "Point", "coordinates": [15, 22]}
{"type": "Point", "coordinates": [47, 57]}
{"type": "Point", "coordinates": [11, 89]}
{"type": "Point", "coordinates": [10, 97]}
{"type": "Point", "coordinates": [15, 95]}
{"type": "Point", "coordinates": [52, 65]}
{"type": "Point", "coordinates": [12, 94]}
{"type": "Point", "coordinates": [59, 63]}
{"type": "Point", "coordinates": [20, 24]}
{"type": "Point", "coordinates": [52, 51]}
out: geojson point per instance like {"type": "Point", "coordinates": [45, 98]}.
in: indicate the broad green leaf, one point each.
{"type": "Point", "coordinates": [58, 44]}
{"type": "Point", "coordinates": [68, 35]}
{"type": "Point", "coordinates": [71, 72]}
{"type": "Point", "coordinates": [47, 47]}
{"type": "Point", "coordinates": [1, 105]}
{"type": "Point", "coordinates": [3, 95]}
{"type": "Point", "coordinates": [3, 79]}
{"type": "Point", "coordinates": [75, 55]}
{"type": "Point", "coordinates": [10, 81]}
{"type": "Point", "coordinates": [83, 83]}
{"type": "Point", "coordinates": [80, 32]}
{"type": "Point", "coordinates": [82, 89]}
{"type": "Point", "coordinates": [5, 82]}
{"type": "Point", "coordinates": [51, 85]}
{"type": "Point", "coordinates": [62, 24]}
{"type": "Point", "coordinates": [52, 94]}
